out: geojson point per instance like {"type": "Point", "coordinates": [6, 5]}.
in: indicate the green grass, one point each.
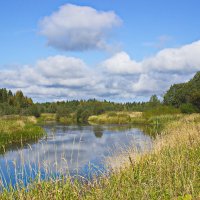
{"type": "Point", "coordinates": [16, 130]}
{"type": "Point", "coordinates": [171, 170]}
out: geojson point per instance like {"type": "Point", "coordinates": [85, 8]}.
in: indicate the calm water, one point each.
{"type": "Point", "coordinates": [74, 150]}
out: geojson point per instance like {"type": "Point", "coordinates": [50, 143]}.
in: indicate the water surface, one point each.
{"type": "Point", "coordinates": [74, 150]}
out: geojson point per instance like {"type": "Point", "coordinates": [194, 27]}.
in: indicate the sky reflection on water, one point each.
{"type": "Point", "coordinates": [68, 149]}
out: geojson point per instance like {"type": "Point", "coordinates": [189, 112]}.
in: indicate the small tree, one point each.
{"type": "Point", "coordinates": [154, 101]}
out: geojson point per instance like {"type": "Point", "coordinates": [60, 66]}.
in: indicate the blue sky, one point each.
{"type": "Point", "coordinates": [123, 49]}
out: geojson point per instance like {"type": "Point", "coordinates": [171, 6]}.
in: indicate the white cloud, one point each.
{"type": "Point", "coordinates": [121, 63]}
{"type": "Point", "coordinates": [181, 60]}
{"type": "Point", "coordinates": [119, 77]}
{"type": "Point", "coordinates": [53, 77]}
{"type": "Point", "coordinates": [61, 67]}
{"type": "Point", "coordinates": [79, 28]}
{"type": "Point", "coordinates": [157, 73]}
{"type": "Point", "coordinates": [146, 84]}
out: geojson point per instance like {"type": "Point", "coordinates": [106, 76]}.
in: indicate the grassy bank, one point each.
{"type": "Point", "coordinates": [117, 118]}
{"type": "Point", "coordinates": [46, 118]}
{"type": "Point", "coordinates": [17, 130]}
{"type": "Point", "coordinates": [170, 171]}
{"type": "Point", "coordinates": [154, 116]}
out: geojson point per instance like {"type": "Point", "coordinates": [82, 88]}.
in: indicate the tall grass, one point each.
{"type": "Point", "coordinates": [171, 170]}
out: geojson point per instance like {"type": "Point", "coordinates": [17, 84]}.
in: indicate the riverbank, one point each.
{"type": "Point", "coordinates": [117, 118]}
{"type": "Point", "coordinates": [16, 130]}
{"type": "Point", "coordinates": [151, 117]}
{"type": "Point", "coordinates": [46, 118]}
{"type": "Point", "coordinates": [170, 171]}
{"type": "Point", "coordinates": [114, 117]}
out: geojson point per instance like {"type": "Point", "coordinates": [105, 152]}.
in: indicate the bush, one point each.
{"type": "Point", "coordinates": [188, 108]}
{"type": "Point", "coordinates": [160, 110]}
{"type": "Point", "coordinates": [112, 114]}
{"type": "Point", "coordinates": [62, 112]}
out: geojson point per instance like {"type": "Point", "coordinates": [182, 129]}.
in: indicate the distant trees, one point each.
{"type": "Point", "coordinates": [16, 103]}
{"type": "Point", "coordinates": [5, 95]}
{"type": "Point", "coordinates": [185, 95]}
{"type": "Point", "coordinates": [18, 99]}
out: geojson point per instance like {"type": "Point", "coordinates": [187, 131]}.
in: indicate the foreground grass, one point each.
{"type": "Point", "coordinates": [17, 130]}
{"type": "Point", "coordinates": [170, 171]}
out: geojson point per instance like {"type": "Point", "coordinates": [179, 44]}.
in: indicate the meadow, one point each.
{"type": "Point", "coordinates": [171, 170]}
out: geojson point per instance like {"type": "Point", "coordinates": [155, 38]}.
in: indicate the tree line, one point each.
{"type": "Point", "coordinates": [184, 96]}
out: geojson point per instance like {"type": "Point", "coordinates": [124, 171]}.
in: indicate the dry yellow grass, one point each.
{"type": "Point", "coordinates": [135, 114]}
{"type": "Point", "coordinates": [185, 131]}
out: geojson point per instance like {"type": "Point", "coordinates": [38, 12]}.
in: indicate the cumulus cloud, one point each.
{"type": "Point", "coordinates": [145, 84]}
{"type": "Point", "coordinates": [73, 28]}
{"type": "Point", "coordinates": [50, 78]}
{"type": "Point", "coordinates": [156, 73]}
{"type": "Point", "coordinates": [117, 78]}
{"type": "Point", "coordinates": [121, 63]}
{"type": "Point", "coordinates": [61, 66]}
{"type": "Point", "coordinates": [181, 60]}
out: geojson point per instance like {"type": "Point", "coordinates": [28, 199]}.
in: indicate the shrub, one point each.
{"type": "Point", "coordinates": [160, 110]}
{"type": "Point", "coordinates": [188, 108]}
{"type": "Point", "coordinates": [112, 114]}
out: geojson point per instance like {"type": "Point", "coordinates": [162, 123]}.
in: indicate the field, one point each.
{"type": "Point", "coordinates": [171, 170]}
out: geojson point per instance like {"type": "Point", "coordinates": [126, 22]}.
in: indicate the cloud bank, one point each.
{"type": "Point", "coordinates": [119, 77]}
{"type": "Point", "coordinates": [78, 28]}
{"type": "Point", "coordinates": [184, 59]}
